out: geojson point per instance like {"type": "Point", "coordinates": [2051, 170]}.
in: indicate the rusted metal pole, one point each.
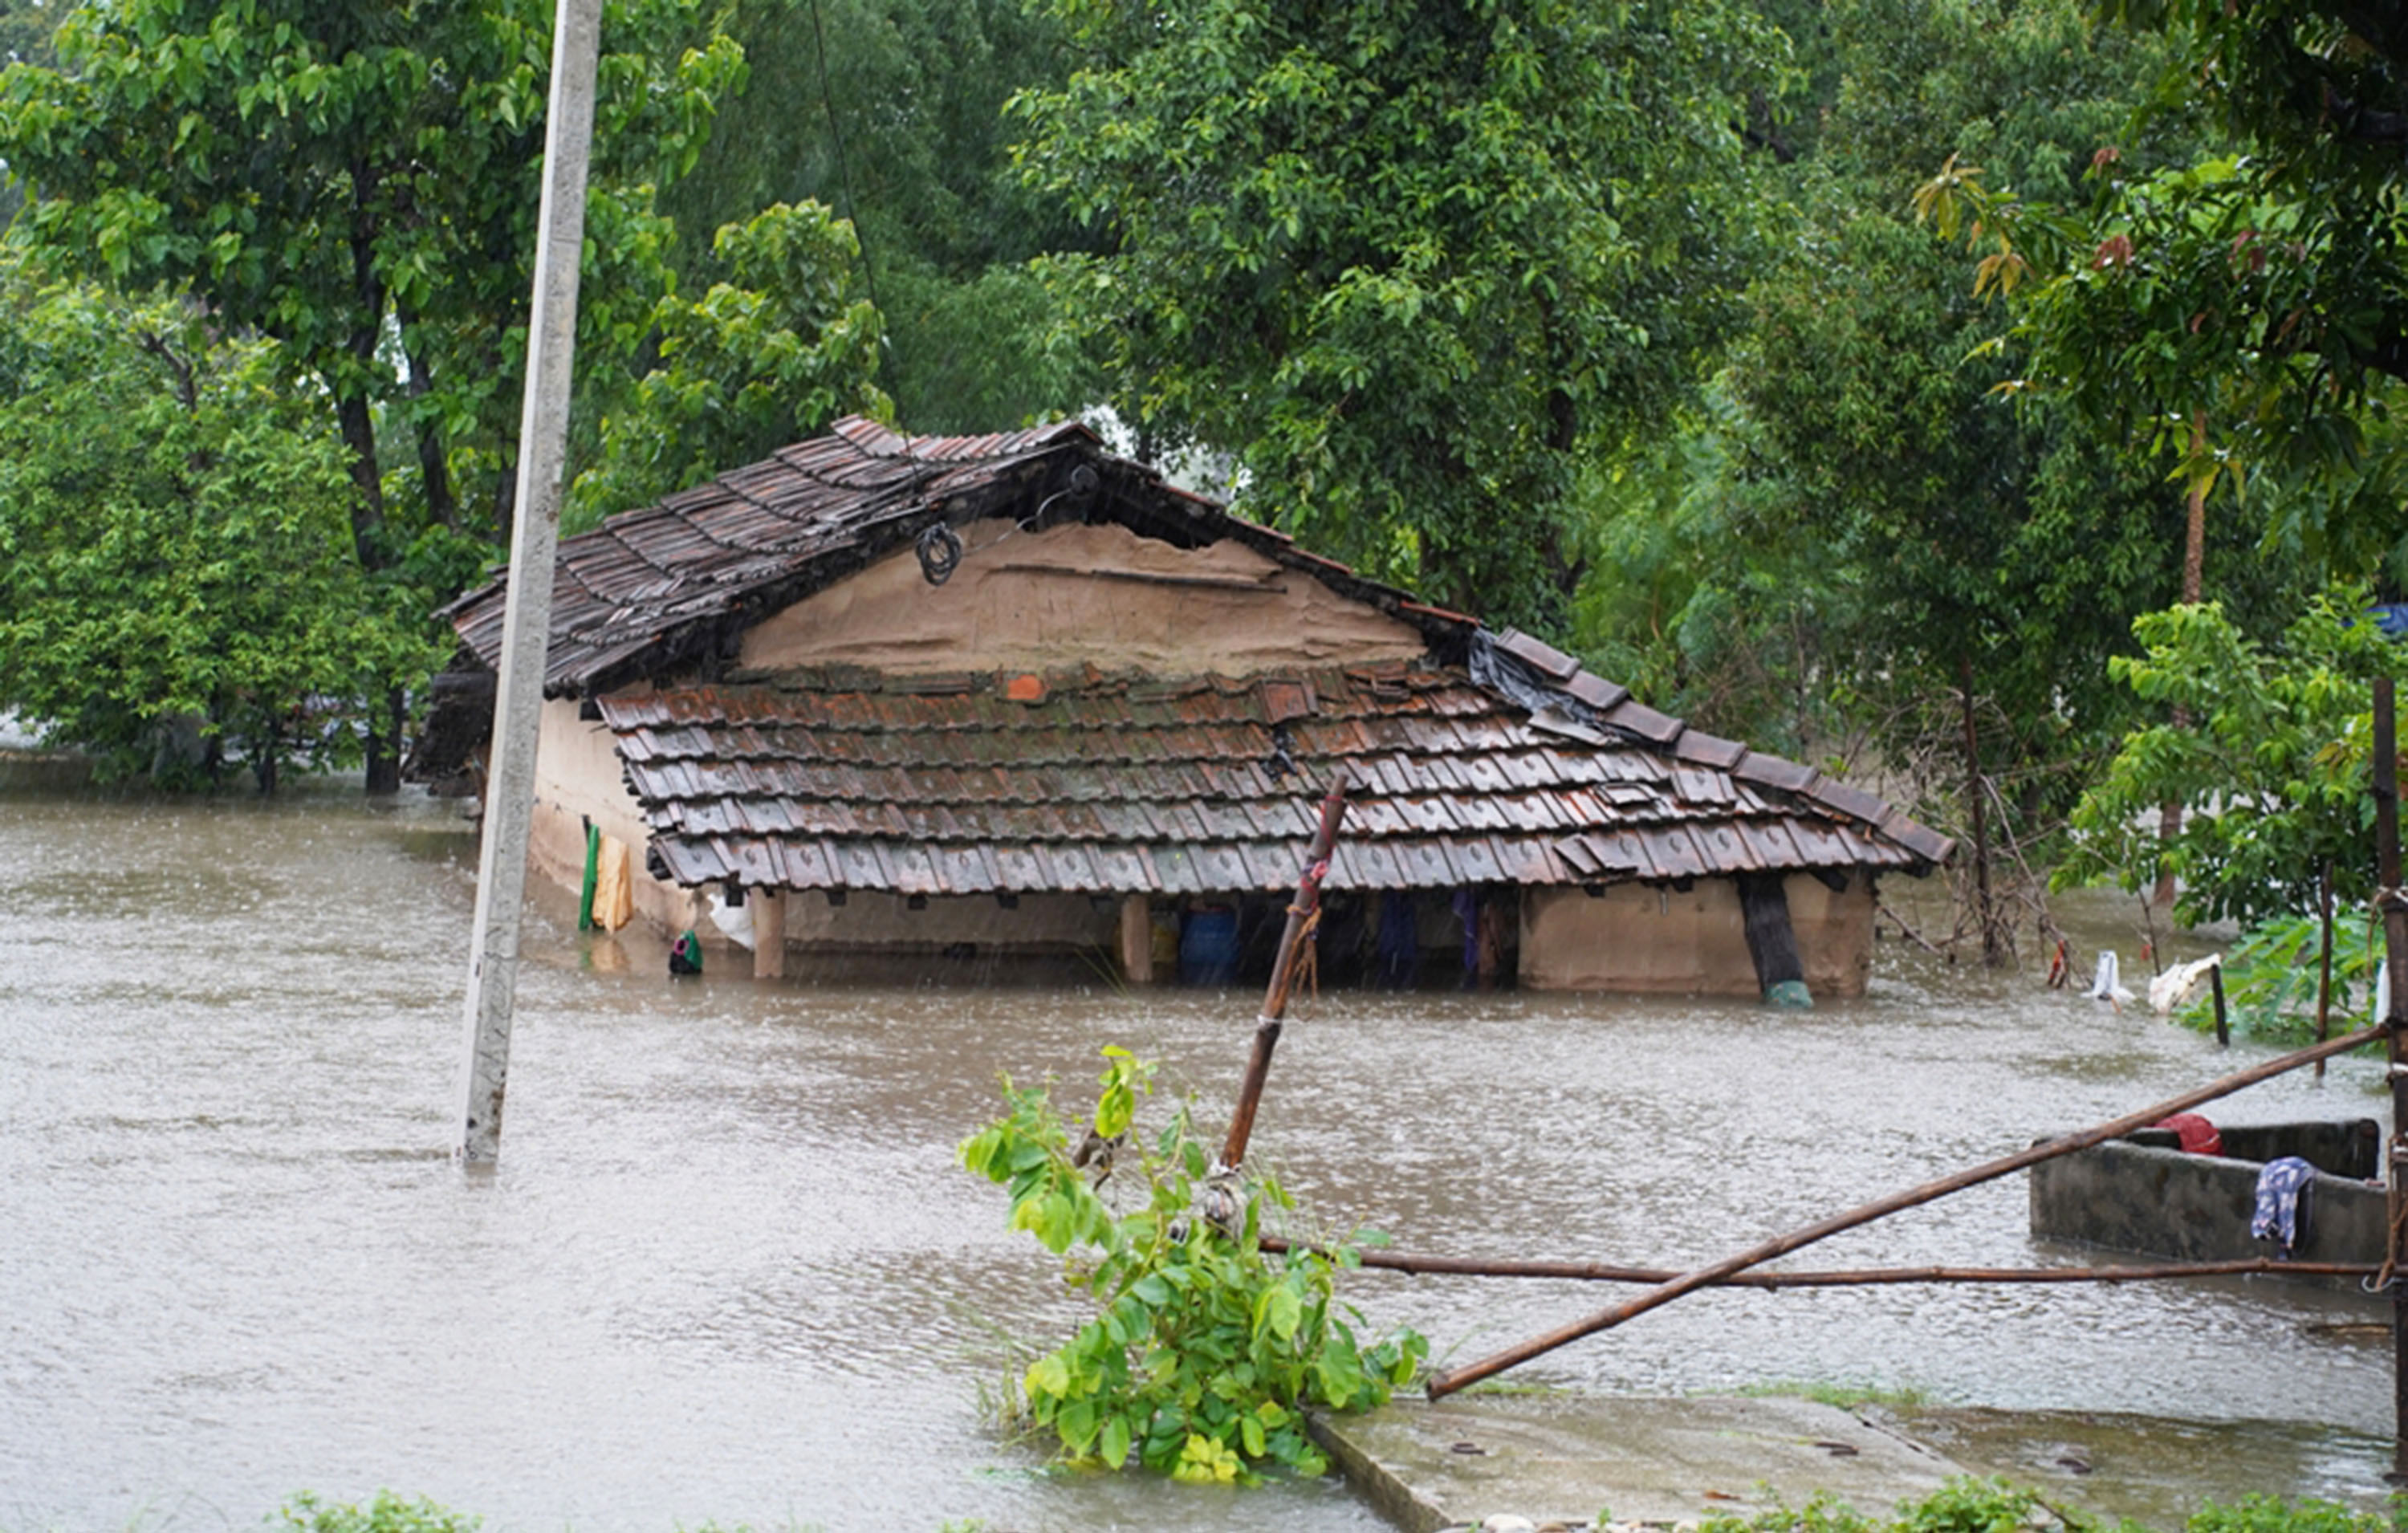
{"type": "Point", "coordinates": [1267, 1028]}
{"type": "Point", "coordinates": [1481, 1267]}
{"type": "Point", "coordinates": [2395, 962]}
{"type": "Point", "coordinates": [2324, 959]}
{"type": "Point", "coordinates": [1442, 1384]}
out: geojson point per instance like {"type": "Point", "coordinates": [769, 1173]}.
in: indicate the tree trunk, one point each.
{"type": "Point", "coordinates": [506, 499]}
{"type": "Point", "coordinates": [1993, 950]}
{"type": "Point", "coordinates": [2169, 815]}
{"type": "Point", "coordinates": [367, 504]}
{"type": "Point", "coordinates": [434, 465]}
{"type": "Point", "coordinates": [367, 542]}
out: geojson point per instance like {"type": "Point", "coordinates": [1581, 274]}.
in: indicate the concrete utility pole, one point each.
{"type": "Point", "coordinates": [526, 625]}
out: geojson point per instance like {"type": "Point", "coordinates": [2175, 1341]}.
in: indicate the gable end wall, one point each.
{"type": "Point", "coordinates": [1078, 594]}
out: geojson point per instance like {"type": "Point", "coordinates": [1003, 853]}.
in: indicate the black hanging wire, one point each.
{"type": "Point", "coordinates": [844, 173]}
{"type": "Point", "coordinates": [941, 552]}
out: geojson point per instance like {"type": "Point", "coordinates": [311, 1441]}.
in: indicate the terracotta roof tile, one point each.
{"type": "Point", "coordinates": [809, 789]}
{"type": "Point", "coordinates": [844, 777]}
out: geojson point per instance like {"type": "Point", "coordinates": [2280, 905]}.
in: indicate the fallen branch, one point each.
{"type": "Point", "coordinates": [1906, 931]}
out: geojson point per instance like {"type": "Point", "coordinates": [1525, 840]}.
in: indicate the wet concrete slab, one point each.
{"type": "Point", "coordinates": [2155, 1471]}
{"type": "Point", "coordinates": [1574, 1459]}
{"type": "Point", "coordinates": [1579, 1460]}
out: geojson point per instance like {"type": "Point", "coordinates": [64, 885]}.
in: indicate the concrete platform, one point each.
{"type": "Point", "coordinates": [1570, 1458]}
{"type": "Point", "coordinates": [1567, 1458]}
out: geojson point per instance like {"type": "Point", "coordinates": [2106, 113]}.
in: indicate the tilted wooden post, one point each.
{"type": "Point", "coordinates": [2395, 962]}
{"type": "Point", "coordinates": [1267, 1029]}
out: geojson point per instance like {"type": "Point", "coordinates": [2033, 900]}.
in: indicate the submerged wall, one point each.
{"type": "Point", "coordinates": [870, 921]}
{"type": "Point", "coordinates": [1650, 940]}
{"type": "Point", "coordinates": [2193, 1208]}
{"type": "Point", "coordinates": [578, 778]}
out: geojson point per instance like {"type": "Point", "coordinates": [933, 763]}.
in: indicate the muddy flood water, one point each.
{"type": "Point", "coordinates": [729, 1270]}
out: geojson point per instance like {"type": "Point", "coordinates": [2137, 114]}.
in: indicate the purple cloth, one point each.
{"type": "Point", "coordinates": [2282, 1214]}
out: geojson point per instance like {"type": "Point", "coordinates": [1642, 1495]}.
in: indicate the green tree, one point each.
{"type": "Point", "coordinates": [1408, 261]}
{"type": "Point", "coordinates": [2237, 310]}
{"type": "Point", "coordinates": [1866, 542]}
{"type": "Point", "coordinates": [891, 112]}
{"type": "Point", "coordinates": [359, 184]}
{"type": "Point", "coordinates": [2275, 772]}
{"type": "Point", "coordinates": [776, 348]}
{"type": "Point", "coordinates": [172, 532]}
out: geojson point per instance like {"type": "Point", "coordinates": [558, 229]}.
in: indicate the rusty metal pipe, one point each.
{"type": "Point", "coordinates": [1443, 1385]}
{"type": "Point", "coordinates": [1267, 1030]}
{"type": "Point", "coordinates": [1483, 1267]}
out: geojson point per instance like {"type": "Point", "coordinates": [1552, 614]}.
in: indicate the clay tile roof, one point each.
{"type": "Point", "coordinates": [1123, 784]}
{"type": "Point", "coordinates": [1496, 758]}
{"type": "Point", "coordinates": [651, 592]}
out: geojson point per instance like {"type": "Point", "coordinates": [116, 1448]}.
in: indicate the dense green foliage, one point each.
{"type": "Point", "coordinates": [2259, 289]}
{"type": "Point", "coordinates": [779, 345]}
{"type": "Point", "coordinates": [2275, 768]}
{"type": "Point", "coordinates": [891, 112]}
{"type": "Point", "coordinates": [357, 186]}
{"type": "Point", "coordinates": [360, 184]}
{"type": "Point", "coordinates": [1854, 546]}
{"type": "Point", "coordinates": [1204, 1352]}
{"type": "Point", "coordinates": [2273, 974]}
{"type": "Point", "coordinates": [173, 526]}
{"type": "Point", "coordinates": [1406, 263]}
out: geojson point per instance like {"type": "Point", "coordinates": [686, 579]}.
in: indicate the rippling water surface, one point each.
{"type": "Point", "coordinates": [729, 1270]}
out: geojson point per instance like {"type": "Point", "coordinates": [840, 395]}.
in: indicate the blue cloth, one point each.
{"type": "Point", "coordinates": [2282, 1214]}
{"type": "Point", "coordinates": [1467, 909]}
{"type": "Point", "coordinates": [1400, 948]}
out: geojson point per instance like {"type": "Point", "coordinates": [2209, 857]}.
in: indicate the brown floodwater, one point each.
{"type": "Point", "coordinates": [729, 1270]}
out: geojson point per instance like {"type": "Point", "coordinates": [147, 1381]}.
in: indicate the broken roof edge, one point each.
{"type": "Point", "coordinates": [1548, 683]}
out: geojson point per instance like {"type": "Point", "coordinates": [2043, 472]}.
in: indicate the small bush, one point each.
{"type": "Point", "coordinates": [2272, 1514]}
{"type": "Point", "coordinates": [1205, 1352]}
{"type": "Point", "coordinates": [1969, 1505]}
{"type": "Point", "coordinates": [387, 1513]}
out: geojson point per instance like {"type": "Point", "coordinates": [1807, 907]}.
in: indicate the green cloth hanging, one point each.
{"type": "Point", "coordinates": [592, 862]}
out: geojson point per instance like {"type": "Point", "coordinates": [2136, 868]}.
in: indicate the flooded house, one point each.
{"type": "Point", "coordinates": [1011, 696]}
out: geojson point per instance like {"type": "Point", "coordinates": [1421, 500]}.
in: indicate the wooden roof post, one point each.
{"type": "Point", "coordinates": [1136, 939]}
{"type": "Point", "coordinates": [769, 908]}
{"type": "Point", "coordinates": [518, 710]}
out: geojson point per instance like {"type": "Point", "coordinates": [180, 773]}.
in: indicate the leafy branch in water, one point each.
{"type": "Point", "coordinates": [1204, 1352]}
{"type": "Point", "coordinates": [2271, 976]}
{"type": "Point", "coordinates": [2274, 770]}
